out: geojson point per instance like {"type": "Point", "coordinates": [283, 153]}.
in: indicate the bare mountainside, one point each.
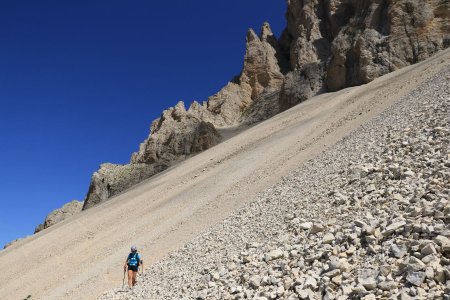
{"type": "Point", "coordinates": [369, 218]}
{"type": "Point", "coordinates": [326, 46]}
{"type": "Point", "coordinates": [82, 256]}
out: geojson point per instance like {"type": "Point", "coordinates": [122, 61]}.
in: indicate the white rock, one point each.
{"type": "Point", "coordinates": [409, 173]}
{"type": "Point", "coordinates": [415, 264]}
{"type": "Point", "coordinates": [306, 225]}
{"type": "Point", "coordinates": [399, 250]}
{"type": "Point", "coordinates": [328, 238]}
{"type": "Point", "coordinates": [310, 283]}
{"type": "Point", "coordinates": [368, 279]}
{"type": "Point", "coordinates": [274, 254]}
{"type": "Point", "coordinates": [443, 241]}
{"type": "Point", "coordinates": [386, 285]}
{"type": "Point", "coordinates": [255, 281]}
{"type": "Point", "coordinates": [317, 227]}
{"type": "Point", "coordinates": [416, 278]}
{"type": "Point", "coordinates": [371, 188]}
{"type": "Point", "coordinates": [393, 227]}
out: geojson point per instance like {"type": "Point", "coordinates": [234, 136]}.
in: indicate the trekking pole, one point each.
{"type": "Point", "coordinates": [123, 280]}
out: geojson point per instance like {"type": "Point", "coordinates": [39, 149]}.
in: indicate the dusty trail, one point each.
{"type": "Point", "coordinates": [82, 256]}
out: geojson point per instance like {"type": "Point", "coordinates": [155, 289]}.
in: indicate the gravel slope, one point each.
{"type": "Point", "coordinates": [367, 218]}
{"type": "Point", "coordinates": [82, 256]}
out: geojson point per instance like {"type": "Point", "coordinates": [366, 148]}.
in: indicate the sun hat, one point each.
{"type": "Point", "coordinates": [133, 248]}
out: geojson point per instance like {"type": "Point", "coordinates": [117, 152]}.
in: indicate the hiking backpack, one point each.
{"type": "Point", "coordinates": [133, 259]}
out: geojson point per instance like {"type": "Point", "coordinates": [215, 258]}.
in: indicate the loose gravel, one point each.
{"type": "Point", "coordinates": [366, 219]}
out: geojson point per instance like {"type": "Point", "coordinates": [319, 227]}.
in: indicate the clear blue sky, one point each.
{"type": "Point", "coordinates": [81, 81]}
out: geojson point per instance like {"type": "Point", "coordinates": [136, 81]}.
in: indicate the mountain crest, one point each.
{"type": "Point", "coordinates": [326, 46]}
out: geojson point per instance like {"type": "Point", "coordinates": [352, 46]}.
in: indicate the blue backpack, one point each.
{"type": "Point", "coordinates": [134, 259]}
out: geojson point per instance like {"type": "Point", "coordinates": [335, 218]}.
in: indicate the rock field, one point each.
{"type": "Point", "coordinates": [366, 219]}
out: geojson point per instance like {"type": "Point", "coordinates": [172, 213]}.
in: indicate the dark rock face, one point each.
{"type": "Point", "coordinates": [333, 44]}
{"type": "Point", "coordinates": [301, 84]}
{"type": "Point", "coordinates": [382, 36]}
{"type": "Point", "coordinates": [306, 42]}
{"type": "Point", "coordinates": [111, 179]}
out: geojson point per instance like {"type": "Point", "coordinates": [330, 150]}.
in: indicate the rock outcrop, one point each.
{"type": "Point", "coordinates": [112, 179]}
{"type": "Point", "coordinates": [179, 133]}
{"type": "Point", "coordinates": [327, 45]}
{"type": "Point", "coordinates": [341, 43]}
{"type": "Point", "coordinates": [58, 215]}
{"type": "Point", "coordinates": [176, 134]}
{"type": "Point", "coordinates": [387, 36]}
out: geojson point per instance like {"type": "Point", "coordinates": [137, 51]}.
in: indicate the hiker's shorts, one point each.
{"type": "Point", "coordinates": [133, 268]}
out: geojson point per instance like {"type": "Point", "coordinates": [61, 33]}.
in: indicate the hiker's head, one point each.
{"type": "Point", "coordinates": [133, 249]}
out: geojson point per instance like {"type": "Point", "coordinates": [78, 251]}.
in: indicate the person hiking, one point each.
{"type": "Point", "coordinates": [132, 263]}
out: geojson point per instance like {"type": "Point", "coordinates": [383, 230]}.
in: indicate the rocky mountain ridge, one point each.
{"type": "Point", "coordinates": [327, 45]}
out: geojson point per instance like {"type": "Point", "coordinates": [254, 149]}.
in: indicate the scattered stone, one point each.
{"type": "Point", "coordinates": [328, 238]}
{"type": "Point", "coordinates": [397, 249]}
{"type": "Point", "coordinates": [316, 228]}
{"type": "Point", "coordinates": [274, 254]}
{"type": "Point", "coordinates": [368, 279]}
{"type": "Point", "coordinates": [306, 225]}
{"type": "Point", "coordinates": [415, 264]}
{"type": "Point", "coordinates": [393, 227]}
{"type": "Point", "coordinates": [416, 278]}
{"type": "Point", "coordinates": [443, 241]}
{"type": "Point", "coordinates": [428, 249]}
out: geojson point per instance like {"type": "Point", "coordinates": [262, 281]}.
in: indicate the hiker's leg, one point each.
{"type": "Point", "coordinates": [134, 278]}
{"type": "Point", "coordinates": [130, 278]}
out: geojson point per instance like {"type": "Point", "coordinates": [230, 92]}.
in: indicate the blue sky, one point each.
{"type": "Point", "coordinates": [81, 81]}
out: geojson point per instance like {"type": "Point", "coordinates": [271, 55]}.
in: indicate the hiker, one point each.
{"type": "Point", "coordinates": [133, 261]}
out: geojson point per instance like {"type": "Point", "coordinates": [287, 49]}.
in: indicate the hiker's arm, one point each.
{"type": "Point", "coordinates": [125, 266]}
{"type": "Point", "coordinates": [142, 264]}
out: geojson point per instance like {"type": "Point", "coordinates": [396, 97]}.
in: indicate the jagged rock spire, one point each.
{"type": "Point", "coordinates": [266, 31]}
{"type": "Point", "coordinates": [251, 36]}
{"type": "Point", "coordinates": [261, 68]}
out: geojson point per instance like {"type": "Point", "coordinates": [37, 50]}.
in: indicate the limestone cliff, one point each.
{"type": "Point", "coordinates": [179, 133]}
{"type": "Point", "coordinates": [333, 44]}
{"type": "Point", "coordinates": [176, 134]}
{"type": "Point", "coordinates": [327, 45]}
